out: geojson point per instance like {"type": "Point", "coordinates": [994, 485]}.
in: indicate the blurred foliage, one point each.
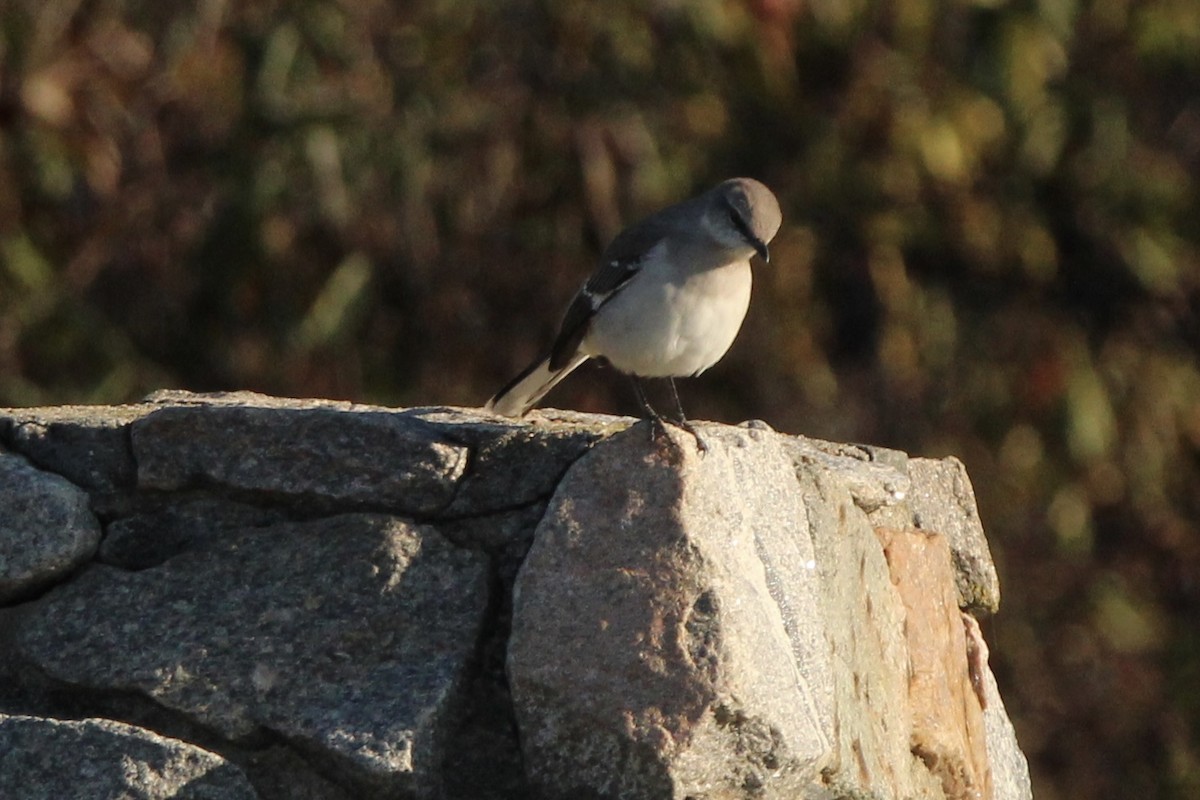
{"type": "Point", "coordinates": [992, 215]}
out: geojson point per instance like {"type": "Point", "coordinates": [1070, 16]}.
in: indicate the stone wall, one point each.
{"type": "Point", "coordinates": [237, 596]}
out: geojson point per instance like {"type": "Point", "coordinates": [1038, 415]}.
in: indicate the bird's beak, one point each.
{"type": "Point", "coordinates": [761, 249]}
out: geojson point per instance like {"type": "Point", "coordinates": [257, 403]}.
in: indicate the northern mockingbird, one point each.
{"type": "Point", "coordinates": [667, 299]}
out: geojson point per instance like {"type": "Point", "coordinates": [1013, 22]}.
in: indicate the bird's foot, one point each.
{"type": "Point", "coordinates": [658, 431]}
{"type": "Point", "coordinates": [701, 445]}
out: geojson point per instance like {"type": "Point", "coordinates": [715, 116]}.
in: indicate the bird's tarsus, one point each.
{"type": "Point", "coordinates": [658, 424]}
{"type": "Point", "coordinates": [701, 445]}
{"type": "Point", "coordinates": [683, 421]}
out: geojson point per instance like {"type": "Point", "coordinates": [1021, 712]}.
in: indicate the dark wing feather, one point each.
{"type": "Point", "coordinates": [621, 261]}
{"type": "Point", "coordinates": [600, 287]}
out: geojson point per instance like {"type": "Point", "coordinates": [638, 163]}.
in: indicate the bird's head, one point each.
{"type": "Point", "coordinates": [743, 215]}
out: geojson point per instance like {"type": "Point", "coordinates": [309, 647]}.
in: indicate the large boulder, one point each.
{"type": "Point", "coordinates": [736, 623]}
{"type": "Point", "coordinates": [650, 654]}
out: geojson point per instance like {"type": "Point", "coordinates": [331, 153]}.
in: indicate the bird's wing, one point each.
{"type": "Point", "coordinates": [621, 262]}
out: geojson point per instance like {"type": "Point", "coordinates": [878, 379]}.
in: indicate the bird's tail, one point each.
{"type": "Point", "coordinates": [530, 386]}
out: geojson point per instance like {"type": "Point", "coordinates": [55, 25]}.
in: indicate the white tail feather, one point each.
{"type": "Point", "coordinates": [527, 390]}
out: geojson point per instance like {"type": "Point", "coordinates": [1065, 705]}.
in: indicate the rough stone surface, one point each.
{"type": "Point", "coordinates": [943, 500]}
{"type": "Point", "coordinates": [49, 759]}
{"type": "Point", "coordinates": [324, 454]}
{"type": "Point", "coordinates": [149, 537]}
{"type": "Point", "coordinates": [87, 445]}
{"type": "Point", "coordinates": [1009, 769]}
{"type": "Point", "coordinates": [47, 528]}
{"type": "Point", "coordinates": [492, 484]}
{"type": "Point", "coordinates": [322, 595]}
{"type": "Point", "coordinates": [650, 656]}
{"type": "Point", "coordinates": [947, 716]}
{"type": "Point", "coordinates": [661, 583]}
{"type": "Point", "coordinates": [347, 636]}
{"type": "Point", "coordinates": [862, 622]}
{"type": "Point", "coordinates": [875, 477]}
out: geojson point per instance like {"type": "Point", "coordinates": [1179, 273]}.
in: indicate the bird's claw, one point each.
{"type": "Point", "coordinates": [701, 445]}
{"type": "Point", "coordinates": [658, 429]}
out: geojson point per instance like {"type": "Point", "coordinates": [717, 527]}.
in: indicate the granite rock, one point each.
{"type": "Point", "coordinates": [316, 454]}
{"type": "Point", "coordinates": [739, 624]}
{"type": "Point", "coordinates": [347, 636]}
{"type": "Point", "coordinates": [350, 601]}
{"type": "Point", "coordinates": [87, 445]}
{"type": "Point", "coordinates": [51, 759]}
{"type": "Point", "coordinates": [658, 646]}
{"type": "Point", "coordinates": [149, 536]}
{"type": "Point", "coordinates": [943, 501]}
{"type": "Point", "coordinates": [47, 528]}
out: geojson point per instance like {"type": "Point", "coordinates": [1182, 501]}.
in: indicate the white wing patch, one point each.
{"type": "Point", "coordinates": [617, 275]}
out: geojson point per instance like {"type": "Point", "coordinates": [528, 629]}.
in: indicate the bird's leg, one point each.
{"type": "Point", "coordinates": [683, 423]}
{"type": "Point", "coordinates": [657, 425]}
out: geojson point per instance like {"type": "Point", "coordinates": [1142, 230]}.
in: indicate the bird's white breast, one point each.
{"type": "Point", "coordinates": [672, 322]}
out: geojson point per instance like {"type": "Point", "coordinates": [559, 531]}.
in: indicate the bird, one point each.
{"type": "Point", "coordinates": [666, 301]}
